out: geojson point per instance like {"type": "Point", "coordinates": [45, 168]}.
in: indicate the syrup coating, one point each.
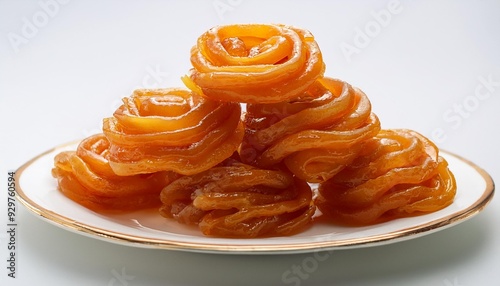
{"type": "Point", "coordinates": [254, 63]}
{"type": "Point", "coordinates": [85, 176]}
{"type": "Point", "coordinates": [171, 130]}
{"type": "Point", "coordinates": [315, 136]}
{"type": "Point", "coordinates": [239, 200]}
{"type": "Point", "coordinates": [399, 173]}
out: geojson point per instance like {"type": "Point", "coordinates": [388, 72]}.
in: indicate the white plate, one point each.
{"type": "Point", "coordinates": [37, 191]}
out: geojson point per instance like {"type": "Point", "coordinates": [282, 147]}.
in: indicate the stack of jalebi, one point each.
{"type": "Point", "coordinates": [86, 177]}
{"type": "Point", "coordinates": [399, 173]}
{"type": "Point", "coordinates": [248, 176]}
{"type": "Point", "coordinates": [171, 130]}
{"type": "Point", "coordinates": [238, 200]}
{"type": "Point", "coordinates": [316, 136]}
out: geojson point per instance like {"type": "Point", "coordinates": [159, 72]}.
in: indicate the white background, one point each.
{"type": "Point", "coordinates": [66, 65]}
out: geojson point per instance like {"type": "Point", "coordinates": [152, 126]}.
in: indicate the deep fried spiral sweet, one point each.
{"type": "Point", "coordinates": [399, 173]}
{"type": "Point", "coordinates": [190, 152]}
{"type": "Point", "coordinates": [315, 137]}
{"type": "Point", "coordinates": [255, 63]}
{"type": "Point", "coordinates": [171, 129]}
{"type": "Point", "coordinates": [85, 176]}
{"type": "Point", "coordinates": [238, 200]}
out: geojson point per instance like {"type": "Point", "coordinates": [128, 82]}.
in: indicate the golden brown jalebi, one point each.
{"type": "Point", "coordinates": [86, 177]}
{"type": "Point", "coordinates": [255, 63]}
{"type": "Point", "coordinates": [238, 200]}
{"type": "Point", "coordinates": [316, 136]}
{"type": "Point", "coordinates": [399, 173]}
{"type": "Point", "coordinates": [171, 129]}
{"type": "Point", "coordinates": [190, 152]}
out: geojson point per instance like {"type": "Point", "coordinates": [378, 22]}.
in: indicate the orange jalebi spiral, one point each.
{"type": "Point", "coordinates": [86, 177]}
{"type": "Point", "coordinates": [238, 200]}
{"type": "Point", "coordinates": [255, 63]}
{"type": "Point", "coordinates": [188, 150]}
{"type": "Point", "coordinates": [316, 136]}
{"type": "Point", "coordinates": [171, 129]}
{"type": "Point", "coordinates": [399, 173]}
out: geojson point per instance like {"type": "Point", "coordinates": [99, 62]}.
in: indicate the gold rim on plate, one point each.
{"type": "Point", "coordinates": [246, 246]}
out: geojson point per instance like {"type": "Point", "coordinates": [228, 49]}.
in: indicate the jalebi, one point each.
{"type": "Point", "coordinates": [315, 137]}
{"type": "Point", "coordinates": [85, 176]}
{"type": "Point", "coordinates": [399, 173]}
{"type": "Point", "coordinates": [238, 200]}
{"type": "Point", "coordinates": [255, 63]}
{"type": "Point", "coordinates": [171, 130]}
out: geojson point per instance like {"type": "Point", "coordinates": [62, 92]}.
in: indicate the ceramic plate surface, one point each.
{"type": "Point", "coordinates": [37, 190]}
